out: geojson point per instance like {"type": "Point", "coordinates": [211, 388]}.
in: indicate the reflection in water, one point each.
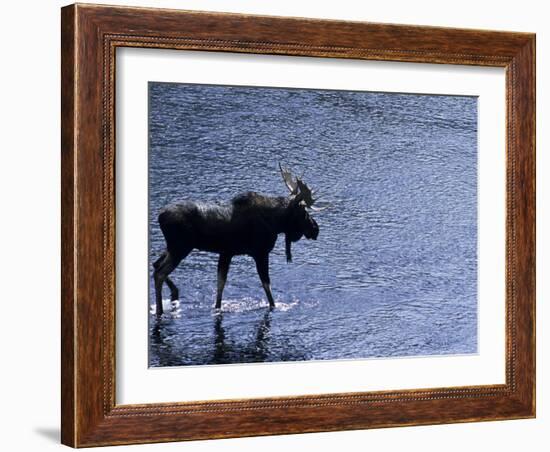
{"type": "Point", "coordinates": [219, 336]}
{"type": "Point", "coordinates": [394, 269]}
{"type": "Point", "coordinates": [262, 336]}
{"type": "Point", "coordinates": [157, 342]}
{"type": "Point", "coordinates": [256, 350]}
{"type": "Point", "coordinates": [225, 344]}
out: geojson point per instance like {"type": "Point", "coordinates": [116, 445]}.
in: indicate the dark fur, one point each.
{"type": "Point", "coordinates": [249, 225]}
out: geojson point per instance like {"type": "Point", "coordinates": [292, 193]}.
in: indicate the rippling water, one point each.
{"type": "Point", "coordinates": [394, 269]}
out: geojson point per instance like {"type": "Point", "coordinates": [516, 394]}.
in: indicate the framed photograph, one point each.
{"type": "Point", "coordinates": [280, 225]}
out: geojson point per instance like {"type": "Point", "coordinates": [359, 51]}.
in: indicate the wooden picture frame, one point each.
{"type": "Point", "coordinates": [90, 36]}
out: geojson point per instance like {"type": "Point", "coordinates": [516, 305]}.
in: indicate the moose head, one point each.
{"type": "Point", "coordinates": [300, 223]}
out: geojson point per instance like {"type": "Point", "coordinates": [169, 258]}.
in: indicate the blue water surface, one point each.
{"type": "Point", "coordinates": [394, 270]}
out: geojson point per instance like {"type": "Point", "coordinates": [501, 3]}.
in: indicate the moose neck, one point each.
{"type": "Point", "coordinates": [278, 210]}
{"type": "Point", "coordinates": [280, 216]}
{"type": "Point", "coordinates": [279, 213]}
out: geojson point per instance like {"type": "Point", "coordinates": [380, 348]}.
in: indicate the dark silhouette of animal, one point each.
{"type": "Point", "coordinates": [247, 225]}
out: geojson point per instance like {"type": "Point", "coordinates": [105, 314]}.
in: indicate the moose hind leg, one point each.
{"type": "Point", "coordinates": [262, 265]}
{"type": "Point", "coordinates": [223, 269]}
{"type": "Point", "coordinates": [174, 292]}
{"type": "Point", "coordinates": [162, 270]}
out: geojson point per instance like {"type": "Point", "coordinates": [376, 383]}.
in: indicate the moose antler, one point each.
{"type": "Point", "coordinates": [318, 209]}
{"type": "Point", "coordinates": [290, 183]}
{"type": "Point", "coordinates": [299, 189]}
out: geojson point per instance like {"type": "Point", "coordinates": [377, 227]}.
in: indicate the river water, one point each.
{"type": "Point", "coordinates": [394, 270]}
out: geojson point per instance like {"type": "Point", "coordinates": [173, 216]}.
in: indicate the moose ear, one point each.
{"type": "Point", "coordinates": [296, 200]}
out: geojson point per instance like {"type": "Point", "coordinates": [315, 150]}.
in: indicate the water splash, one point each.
{"type": "Point", "coordinates": [174, 309]}
{"type": "Point", "coordinates": [249, 304]}
{"type": "Point", "coordinates": [171, 309]}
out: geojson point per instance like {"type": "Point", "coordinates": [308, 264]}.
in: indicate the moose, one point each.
{"type": "Point", "coordinates": [249, 224]}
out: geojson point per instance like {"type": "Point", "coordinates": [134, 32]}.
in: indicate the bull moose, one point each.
{"type": "Point", "coordinates": [247, 225]}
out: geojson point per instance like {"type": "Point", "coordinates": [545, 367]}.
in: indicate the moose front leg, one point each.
{"type": "Point", "coordinates": [262, 265]}
{"type": "Point", "coordinates": [223, 268]}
